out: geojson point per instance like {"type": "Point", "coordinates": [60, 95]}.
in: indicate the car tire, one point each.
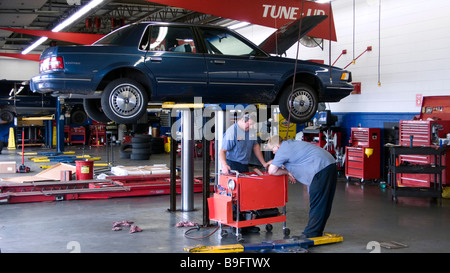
{"type": "Point", "coordinates": [140, 156]}
{"type": "Point", "coordinates": [93, 109]}
{"type": "Point", "coordinates": [124, 101]}
{"type": "Point", "coordinates": [78, 117]}
{"type": "Point", "coordinates": [305, 103]}
{"type": "Point", "coordinates": [6, 117]}
{"type": "Point", "coordinates": [125, 151]}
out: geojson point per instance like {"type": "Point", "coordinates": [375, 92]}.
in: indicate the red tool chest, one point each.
{"type": "Point", "coordinates": [362, 158]}
{"type": "Point", "coordinates": [245, 194]}
{"type": "Point", "coordinates": [432, 124]}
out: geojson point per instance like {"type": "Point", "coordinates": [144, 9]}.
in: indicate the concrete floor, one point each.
{"type": "Point", "coordinates": [363, 214]}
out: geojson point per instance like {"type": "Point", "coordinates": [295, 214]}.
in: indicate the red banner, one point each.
{"type": "Point", "coordinates": [270, 13]}
{"type": "Point", "coordinates": [77, 38]}
{"type": "Point", "coordinates": [29, 57]}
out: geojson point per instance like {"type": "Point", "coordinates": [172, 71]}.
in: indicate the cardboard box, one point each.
{"type": "Point", "coordinates": [8, 167]}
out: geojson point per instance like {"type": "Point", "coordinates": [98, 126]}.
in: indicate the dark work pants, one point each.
{"type": "Point", "coordinates": [236, 166]}
{"type": "Point", "coordinates": [321, 194]}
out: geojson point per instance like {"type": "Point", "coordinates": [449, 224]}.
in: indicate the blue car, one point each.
{"type": "Point", "coordinates": [121, 73]}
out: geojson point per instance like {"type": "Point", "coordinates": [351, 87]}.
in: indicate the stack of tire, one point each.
{"type": "Point", "coordinates": [140, 148]}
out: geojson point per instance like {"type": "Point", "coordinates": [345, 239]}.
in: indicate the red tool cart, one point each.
{"type": "Point", "coordinates": [362, 158]}
{"type": "Point", "coordinates": [431, 127]}
{"type": "Point", "coordinates": [249, 199]}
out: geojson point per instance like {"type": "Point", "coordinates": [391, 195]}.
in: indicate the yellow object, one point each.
{"type": "Point", "coordinates": [327, 239]}
{"type": "Point", "coordinates": [446, 192]}
{"type": "Point", "coordinates": [216, 249]}
{"type": "Point", "coordinates": [368, 152]}
{"type": "Point", "coordinates": [182, 105]}
{"type": "Point", "coordinates": [167, 145]}
{"type": "Point", "coordinates": [54, 136]}
{"type": "Point", "coordinates": [11, 139]}
{"type": "Point", "coordinates": [283, 128]}
{"type": "Point", "coordinates": [52, 117]}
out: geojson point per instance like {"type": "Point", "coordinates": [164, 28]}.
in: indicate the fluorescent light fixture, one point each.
{"type": "Point", "coordinates": [77, 15]}
{"type": "Point", "coordinates": [239, 25]}
{"type": "Point", "coordinates": [34, 45]}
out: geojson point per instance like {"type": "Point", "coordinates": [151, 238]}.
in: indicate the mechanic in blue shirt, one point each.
{"type": "Point", "coordinates": [312, 166]}
{"type": "Point", "coordinates": [238, 144]}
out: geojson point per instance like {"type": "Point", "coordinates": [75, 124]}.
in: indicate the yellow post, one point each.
{"type": "Point", "coordinates": [11, 139]}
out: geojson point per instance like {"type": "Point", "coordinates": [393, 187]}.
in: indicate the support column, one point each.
{"type": "Point", "coordinates": [59, 127]}
{"type": "Point", "coordinates": [187, 160]}
{"type": "Point", "coordinates": [220, 130]}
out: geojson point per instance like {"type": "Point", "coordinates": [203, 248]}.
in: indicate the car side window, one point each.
{"type": "Point", "coordinates": [223, 42]}
{"type": "Point", "coordinates": [169, 39]}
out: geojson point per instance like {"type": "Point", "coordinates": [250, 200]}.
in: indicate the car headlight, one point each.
{"type": "Point", "coordinates": [346, 76]}
{"type": "Point", "coordinates": [231, 184]}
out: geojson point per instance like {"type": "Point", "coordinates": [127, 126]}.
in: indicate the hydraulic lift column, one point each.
{"type": "Point", "coordinates": [59, 126]}
{"type": "Point", "coordinates": [187, 160]}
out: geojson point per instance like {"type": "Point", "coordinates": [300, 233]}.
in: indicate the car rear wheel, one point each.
{"type": "Point", "coordinates": [298, 105]}
{"type": "Point", "coordinates": [6, 116]}
{"type": "Point", "coordinates": [93, 109]}
{"type": "Point", "coordinates": [124, 101]}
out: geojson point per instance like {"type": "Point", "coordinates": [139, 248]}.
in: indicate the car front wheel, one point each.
{"type": "Point", "coordinates": [300, 104]}
{"type": "Point", "coordinates": [124, 101]}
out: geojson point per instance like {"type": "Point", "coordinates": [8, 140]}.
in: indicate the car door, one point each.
{"type": "Point", "coordinates": [237, 70]}
{"type": "Point", "coordinates": [173, 59]}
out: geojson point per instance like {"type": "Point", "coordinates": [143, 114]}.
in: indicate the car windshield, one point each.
{"type": "Point", "coordinates": [116, 37]}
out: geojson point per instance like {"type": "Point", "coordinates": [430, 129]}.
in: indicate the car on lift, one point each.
{"type": "Point", "coordinates": [144, 62]}
{"type": "Point", "coordinates": [17, 100]}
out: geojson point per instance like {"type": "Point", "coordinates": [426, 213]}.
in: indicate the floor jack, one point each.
{"type": "Point", "coordinates": [22, 168]}
{"type": "Point", "coordinates": [281, 246]}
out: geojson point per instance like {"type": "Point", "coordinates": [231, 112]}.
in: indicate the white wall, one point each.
{"type": "Point", "coordinates": [414, 52]}
{"type": "Point", "coordinates": [17, 69]}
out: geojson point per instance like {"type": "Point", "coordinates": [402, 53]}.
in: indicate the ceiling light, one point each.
{"type": "Point", "coordinates": [77, 15]}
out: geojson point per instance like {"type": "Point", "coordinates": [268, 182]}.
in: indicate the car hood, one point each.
{"type": "Point", "coordinates": [282, 39]}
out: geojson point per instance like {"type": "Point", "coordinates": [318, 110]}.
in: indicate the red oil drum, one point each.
{"type": "Point", "coordinates": [84, 170]}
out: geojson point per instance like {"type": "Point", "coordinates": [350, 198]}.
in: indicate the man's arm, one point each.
{"type": "Point", "coordinates": [259, 155]}
{"type": "Point", "coordinates": [223, 161]}
{"type": "Point", "coordinates": [274, 170]}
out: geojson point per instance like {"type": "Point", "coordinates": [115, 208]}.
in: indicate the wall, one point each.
{"type": "Point", "coordinates": [409, 57]}
{"type": "Point", "coordinates": [17, 69]}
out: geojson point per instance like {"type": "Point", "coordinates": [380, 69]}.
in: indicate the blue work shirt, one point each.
{"type": "Point", "coordinates": [302, 159]}
{"type": "Point", "coordinates": [239, 144]}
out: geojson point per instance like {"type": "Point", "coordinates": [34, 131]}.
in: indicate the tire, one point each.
{"type": "Point", "coordinates": [140, 156]}
{"type": "Point", "coordinates": [93, 109]}
{"type": "Point", "coordinates": [6, 116]}
{"type": "Point", "coordinates": [124, 101]}
{"type": "Point", "coordinates": [141, 139]}
{"type": "Point", "coordinates": [78, 117]}
{"type": "Point", "coordinates": [305, 103]}
{"type": "Point", "coordinates": [124, 151]}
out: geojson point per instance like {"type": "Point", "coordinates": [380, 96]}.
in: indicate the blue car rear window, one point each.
{"type": "Point", "coordinates": [117, 37]}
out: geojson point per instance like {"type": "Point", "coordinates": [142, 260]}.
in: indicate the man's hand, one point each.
{"type": "Point", "coordinates": [226, 169]}
{"type": "Point", "coordinates": [291, 179]}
